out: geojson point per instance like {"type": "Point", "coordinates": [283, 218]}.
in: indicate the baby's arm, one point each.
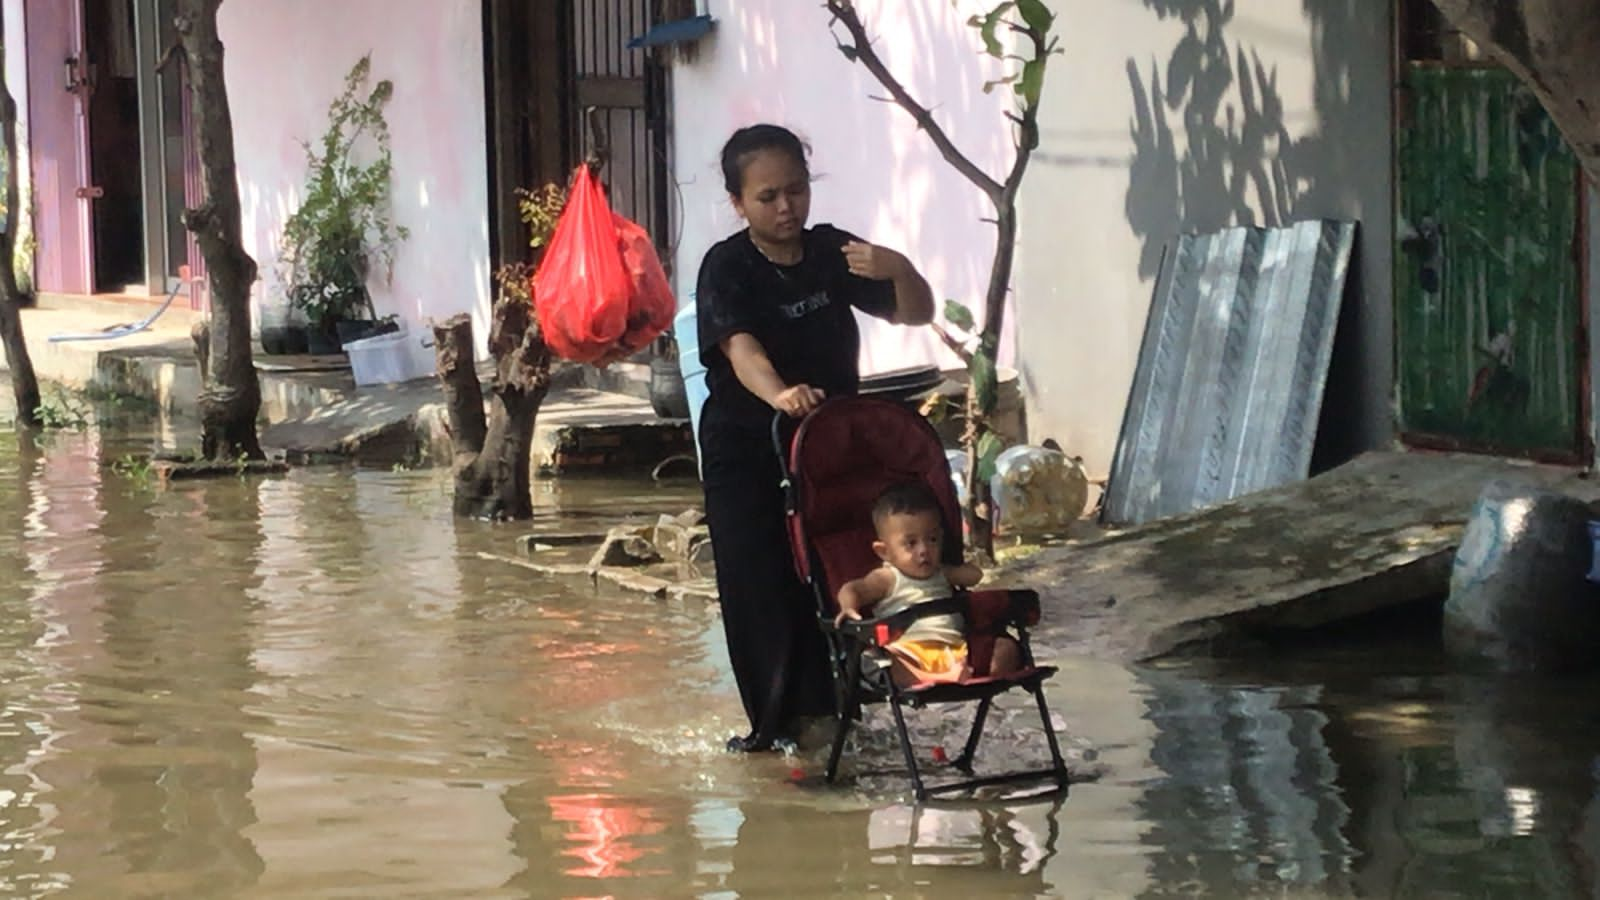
{"type": "Point", "coordinates": [964, 575]}
{"type": "Point", "coordinates": [859, 595]}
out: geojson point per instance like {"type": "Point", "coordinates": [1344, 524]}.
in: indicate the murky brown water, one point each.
{"type": "Point", "coordinates": [311, 686]}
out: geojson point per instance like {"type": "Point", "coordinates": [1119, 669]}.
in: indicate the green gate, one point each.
{"type": "Point", "coordinates": [1487, 285]}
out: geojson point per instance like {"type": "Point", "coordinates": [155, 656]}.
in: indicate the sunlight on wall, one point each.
{"type": "Point", "coordinates": [878, 175]}
{"type": "Point", "coordinates": [286, 62]}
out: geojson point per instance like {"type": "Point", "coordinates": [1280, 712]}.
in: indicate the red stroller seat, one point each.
{"type": "Point", "coordinates": [841, 458]}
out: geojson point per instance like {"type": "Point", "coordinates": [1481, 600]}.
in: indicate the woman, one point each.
{"type": "Point", "coordinates": [777, 333]}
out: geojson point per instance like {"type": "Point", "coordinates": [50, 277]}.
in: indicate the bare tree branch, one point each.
{"type": "Point", "coordinates": [980, 396]}
{"type": "Point", "coordinates": [951, 342]}
{"type": "Point", "coordinates": [845, 13]}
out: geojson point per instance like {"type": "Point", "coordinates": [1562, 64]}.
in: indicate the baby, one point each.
{"type": "Point", "coordinates": [910, 533]}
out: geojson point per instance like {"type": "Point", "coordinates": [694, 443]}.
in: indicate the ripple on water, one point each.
{"type": "Point", "coordinates": [313, 685]}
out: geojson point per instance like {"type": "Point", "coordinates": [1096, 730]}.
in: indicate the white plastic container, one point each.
{"type": "Point", "coordinates": [388, 359]}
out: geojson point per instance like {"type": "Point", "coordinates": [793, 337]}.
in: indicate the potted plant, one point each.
{"type": "Point", "coordinates": [343, 223]}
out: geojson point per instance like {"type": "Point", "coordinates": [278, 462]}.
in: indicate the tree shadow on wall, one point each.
{"type": "Point", "coordinates": [1215, 146]}
{"type": "Point", "coordinates": [1234, 169]}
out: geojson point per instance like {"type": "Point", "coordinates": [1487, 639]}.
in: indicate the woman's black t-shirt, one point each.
{"type": "Point", "coordinates": [800, 315]}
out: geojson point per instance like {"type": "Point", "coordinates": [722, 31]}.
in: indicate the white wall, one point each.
{"type": "Point", "coordinates": [16, 75]}
{"type": "Point", "coordinates": [775, 61]}
{"type": "Point", "coordinates": [1166, 116]}
{"type": "Point", "coordinates": [286, 61]}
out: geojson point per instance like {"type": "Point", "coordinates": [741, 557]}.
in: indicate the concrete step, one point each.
{"type": "Point", "coordinates": [578, 431]}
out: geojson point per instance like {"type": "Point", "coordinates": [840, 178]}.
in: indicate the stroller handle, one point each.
{"type": "Point", "coordinates": [778, 444]}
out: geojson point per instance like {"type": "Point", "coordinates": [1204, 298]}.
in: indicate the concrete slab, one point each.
{"type": "Point", "coordinates": [578, 430]}
{"type": "Point", "coordinates": [1379, 531]}
{"type": "Point", "coordinates": [378, 425]}
{"type": "Point", "coordinates": [583, 430]}
{"type": "Point", "coordinates": [156, 364]}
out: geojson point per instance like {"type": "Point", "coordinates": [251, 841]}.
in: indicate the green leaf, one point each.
{"type": "Point", "coordinates": [988, 25]}
{"type": "Point", "coordinates": [1031, 85]}
{"type": "Point", "coordinates": [985, 382]}
{"type": "Point", "coordinates": [958, 315]}
{"type": "Point", "coordinates": [989, 447]}
{"type": "Point", "coordinates": [1036, 15]}
{"type": "Point", "coordinates": [849, 52]}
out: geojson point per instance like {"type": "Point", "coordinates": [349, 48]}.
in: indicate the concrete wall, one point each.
{"type": "Point", "coordinates": [286, 61]}
{"type": "Point", "coordinates": [1166, 116]}
{"type": "Point", "coordinates": [775, 61]}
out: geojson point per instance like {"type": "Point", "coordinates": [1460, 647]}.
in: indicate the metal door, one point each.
{"type": "Point", "coordinates": [628, 89]}
{"type": "Point", "coordinates": [59, 82]}
{"type": "Point", "coordinates": [1487, 281]}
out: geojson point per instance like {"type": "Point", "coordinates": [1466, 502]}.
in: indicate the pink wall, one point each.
{"type": "Point", "coordinates": [17, 81]}
{"type": "Point", "coordinates": [774, 60]}
{"type": "Point", "coordinates": [286, 60]}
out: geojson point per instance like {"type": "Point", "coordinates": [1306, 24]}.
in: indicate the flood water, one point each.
{"type": "Point", "coordinates": [313, 686]}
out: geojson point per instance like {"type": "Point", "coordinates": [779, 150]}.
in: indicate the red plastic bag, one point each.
{"type": "Point", "coordinates": [600, 292]}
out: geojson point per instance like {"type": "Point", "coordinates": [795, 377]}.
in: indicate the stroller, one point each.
{"type": "Point", "coordinates": [841, 458]}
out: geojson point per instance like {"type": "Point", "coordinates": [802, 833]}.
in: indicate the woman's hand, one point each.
{"type": "Point", "coordinates": [799, 400]}
{"type": "Point", "coordinates": [754, 370]}
{"type": "Point", "coordinates": [913, 299]}
{"type": "Point", "coordinates": [874, 262]}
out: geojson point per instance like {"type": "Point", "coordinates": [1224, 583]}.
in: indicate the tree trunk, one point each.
{"type": "Point", "coordinates": [1554, 47]}
{"type": "Point", "coordinates": [24, 384]}
{"type": "Point", "coordinates": [230, 399]}
{"type": "Point", "coordinates": [463, 397]}
{"type": "Point", "coordinates": [492, 459]}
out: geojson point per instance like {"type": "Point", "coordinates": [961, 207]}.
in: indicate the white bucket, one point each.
{"type": "Point", "coordinates": [388, 359]}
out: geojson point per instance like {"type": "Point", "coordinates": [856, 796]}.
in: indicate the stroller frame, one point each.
{"type": "Point", "coordinates": [909, 451]}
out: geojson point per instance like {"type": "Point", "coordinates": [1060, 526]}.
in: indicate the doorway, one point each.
{"type": "Point", "coordinates": [113, 150]}
{"type": "Point", "coordinates": [116, 188]}
{"type": "Point", "coordinates": [1490, 353]}
{"type": "Point", "coordinates": [549, 65]}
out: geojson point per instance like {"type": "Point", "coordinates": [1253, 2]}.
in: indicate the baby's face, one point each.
{"type": "Point", "coordinates": [911, 543]}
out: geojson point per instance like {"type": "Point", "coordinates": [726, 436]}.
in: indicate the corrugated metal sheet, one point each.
{"type": "Point", "coordinates": [1230, 377]}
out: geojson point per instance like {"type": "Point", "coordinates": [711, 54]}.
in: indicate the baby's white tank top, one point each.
{"type": "Point", "coordinates": [908, 592]}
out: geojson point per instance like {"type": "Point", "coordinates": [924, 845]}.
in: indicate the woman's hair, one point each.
{"type": "Point", "coordinates": [753, 139]}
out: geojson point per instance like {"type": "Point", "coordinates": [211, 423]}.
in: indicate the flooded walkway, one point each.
{"type": "Point", "coordinates": [312, 686]}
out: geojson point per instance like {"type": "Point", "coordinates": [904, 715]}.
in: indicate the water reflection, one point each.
{"type": "Point", "coordinates": [1374, 774]}
{"type": "Point", "coordinates": [1502, 803]}
{"type": "Point", "coordinates": [1249, 794]}
{"type": "Point", "coordinates": [139, 783]}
